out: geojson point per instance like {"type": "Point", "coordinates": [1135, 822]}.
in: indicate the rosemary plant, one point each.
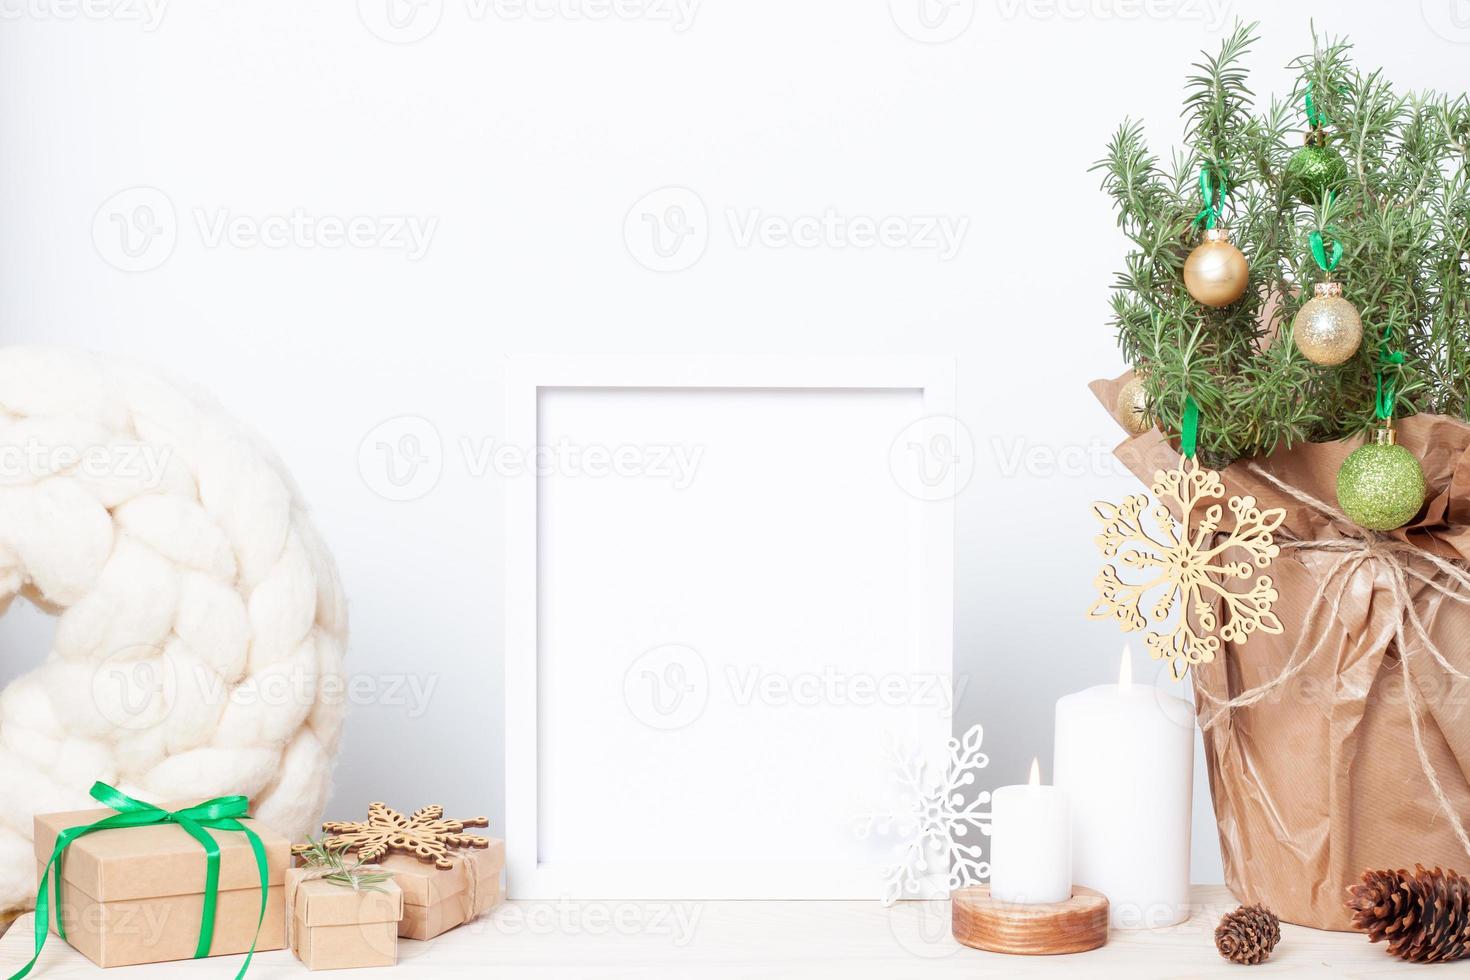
{"type": "Point", "coordinates": [1403, 218]}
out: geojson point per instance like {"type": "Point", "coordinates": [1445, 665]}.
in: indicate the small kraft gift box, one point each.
{"type": "Point", "coordinates": [139, 883]}
{"type": "Point", "coordinates": [436, 900]}
{"type": "Point", "coordinates": [332, 925]}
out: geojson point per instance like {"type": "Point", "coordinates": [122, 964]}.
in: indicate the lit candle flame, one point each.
{"type": "Point", "coordinates": [1035, 772]}
{"type": "Point", "coordinates": [1125, 671]}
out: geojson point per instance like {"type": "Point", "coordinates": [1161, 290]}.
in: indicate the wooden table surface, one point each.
{"type": "Point", "coordinates": [766, 940]}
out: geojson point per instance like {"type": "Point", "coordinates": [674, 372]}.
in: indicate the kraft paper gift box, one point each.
{"type": "Point", "coordinates": [434, 900]}
{"type": "Point", "coordinates": [333, 926]}
{"type": "Point", "coordinates": [134, 895]}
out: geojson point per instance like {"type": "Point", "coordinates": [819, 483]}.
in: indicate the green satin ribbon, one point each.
{"type": "Point", "coordinates": [217, 814]}
{"type": "Point", "coordinates": [1314, 118]}
{"type": "Point", "coordinates": [1383, 401]}
{"type": "Point", "coordinates": [1213, 195]}
{"type": "Point", "coordinates": [1319, 252]}
{"type": "Point", "coordinates": [1189, 430]}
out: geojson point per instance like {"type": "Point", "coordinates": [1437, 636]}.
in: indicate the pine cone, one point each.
{"type": "Point", "coordinates": [1425, 916]}
{"type": "Point", "coordinates": [1248, 934]}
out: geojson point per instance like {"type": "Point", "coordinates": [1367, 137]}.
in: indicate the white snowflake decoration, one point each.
{"type": "Point", "coordinates": [934, 819]}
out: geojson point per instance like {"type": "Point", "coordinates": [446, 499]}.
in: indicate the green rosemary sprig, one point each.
{"type": "Point", "coordinates": [357, 876]}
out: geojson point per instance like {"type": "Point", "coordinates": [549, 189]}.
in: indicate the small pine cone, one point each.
{"type": "Point", "coordinates": [1248, 934]}
{"type": "Point", "coordinates": [1425, 916]}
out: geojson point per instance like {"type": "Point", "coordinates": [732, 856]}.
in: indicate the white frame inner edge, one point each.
{"type": "Point", "coordinates": [535, 871]}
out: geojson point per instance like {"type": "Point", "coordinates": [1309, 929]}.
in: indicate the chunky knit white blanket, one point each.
{"type": "Point", "coordinates": [200, 620]}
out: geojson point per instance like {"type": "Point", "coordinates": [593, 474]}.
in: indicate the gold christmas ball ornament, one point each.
{"type": "Point", "coordinates": [1328, 329]}
{"type": "Point", "coordinates": [1132, 407]}
{"type": "Point", "coordinates": [1216, 273]}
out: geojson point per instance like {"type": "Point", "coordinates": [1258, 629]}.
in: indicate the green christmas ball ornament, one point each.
{"type": "Point", "coordinates": [1315, 169]}
{"type": "Point", "coordinates": [1381, 485]}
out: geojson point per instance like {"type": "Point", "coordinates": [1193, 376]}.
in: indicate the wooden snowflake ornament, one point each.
{"type": "Point", "coordinates": [426, 835]}
{"type": "Point", "coordinates": [1187, 568]}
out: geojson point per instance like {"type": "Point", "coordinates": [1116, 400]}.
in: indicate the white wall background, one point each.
{"type": "Point", "coordinates": [525, 141]}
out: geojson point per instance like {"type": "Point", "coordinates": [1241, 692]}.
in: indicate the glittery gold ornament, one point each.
{"type": "Point", "coordinates": [1131, 409]}
{"type": "Point", "coordinates": [1216, 273]}
{"type": "Point", "coordinates": [1328, 329]}
{"type": "Point", "coordinates": [1381, 485]}
{"type": "Point", "coordinates": [1182, 567]}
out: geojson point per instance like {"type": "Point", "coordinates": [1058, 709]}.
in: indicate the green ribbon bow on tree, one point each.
{"type": "Point", "coordinates": [1386, 396]}
{"type": "Point", "coordinates": [221, 813]}
{"type": "Point", "coordinates": [1315, 119]}
{"type": "Point", "coordinates": [1214, 185]}
{"type": "Point", "coordinates": [1325, 262]}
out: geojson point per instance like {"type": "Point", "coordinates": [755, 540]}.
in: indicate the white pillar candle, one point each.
{"type": "Point", "coordinates": [1030, 844]}
{"type": "Point", "coordinates": [1125, 757]}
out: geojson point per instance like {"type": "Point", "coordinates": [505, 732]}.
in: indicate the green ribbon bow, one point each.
{"type": "Point", "coordinates": [1383, 401]}
{"type": "Point", "coordinates": [1212, 193]}
{"type": "Point", "coordinates": [1319, 252]}
{"type": "Point", "coordinates": [1314, 118]}
{"type": "Point", "coordinates": [217, 814]}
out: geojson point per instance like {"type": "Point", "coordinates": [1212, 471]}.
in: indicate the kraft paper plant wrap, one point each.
{"type": "Point", "coordinates": [1315, 766]}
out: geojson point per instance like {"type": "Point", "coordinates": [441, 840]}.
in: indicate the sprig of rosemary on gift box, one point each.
{"type": "Point", "coordinates": [331, 865]}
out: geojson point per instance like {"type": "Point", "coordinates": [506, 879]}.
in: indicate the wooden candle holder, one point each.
{"type": "Point", "coordinates": [1080, 923]}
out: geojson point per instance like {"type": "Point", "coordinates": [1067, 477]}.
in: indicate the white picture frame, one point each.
{"type": "Point", "coordinates": [598, 806]}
